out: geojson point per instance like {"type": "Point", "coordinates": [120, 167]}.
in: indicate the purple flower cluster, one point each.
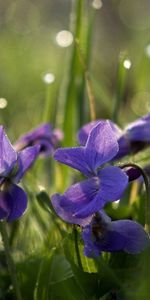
{"type": "Point", "coordinates": [44, 136]}
{"type": "Point", "coordinates": [102, 234]}
{"type": "Point", "coordinates": [13, 165]}
{"type": "Point", "coordinates": [134, 138]}
{"type": "Point", "coordinates": [105, 184]}
{"type": "Point", "coordinates": [16, 160]}
{"type": "Point", "coordinates": [82, 203]}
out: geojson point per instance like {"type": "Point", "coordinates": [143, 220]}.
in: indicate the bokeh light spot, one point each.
{"type": "Point", "coordinates": [97, 4]}
{"type": "Point", "coordinates": [49, 78]}
{"type": "Point", "coordinates": [127, 64]}
{"type": "Point", "coordinates": [140, 103]}
{"type": "Point", "coordinates": [3, 103]}
{"type": "Point", "coordinates": [64, 38]}
{"type": "Point", "coordinates": [147, 50]}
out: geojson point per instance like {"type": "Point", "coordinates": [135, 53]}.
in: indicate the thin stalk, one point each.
{"type": "Point", "coordinates": [47, 106]}
{"type": "Point", "coordinates": [88, 83]}
{"type": "Point", "coordinates": [89, 42]}
{"type": "Point", "coordinates": [120, 87]}
{"type": "Point", "coordinates": [86, 49]}
{"type": "Point", "coordinates": [77, 247]}
{"type": "Point", "coordinates": [71, 89]}
{"type": "Point", "coordinates": [68, 117]}
{"type": "Point", "coordinates": [147, 187]}
{"type": "Point", "coordinates": [10, 263]}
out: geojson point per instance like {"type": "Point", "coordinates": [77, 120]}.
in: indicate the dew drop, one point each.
{"type": "Point", "coordinates": [116, 204]}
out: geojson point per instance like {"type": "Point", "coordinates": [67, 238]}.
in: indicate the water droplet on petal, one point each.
{"type": "Point", "coordinates": [3, 103]}
{"type": "Point", "coordinates": [49, 78]}
{"type": "Point", "coordinates": [116, 204]}
{"type": "Point", "coordinates": [64, 38]}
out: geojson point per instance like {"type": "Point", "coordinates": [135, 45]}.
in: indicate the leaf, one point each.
{"type": "Point", "coordinates": [27, 271]}
{"type": "Point", "coordinates": [88, 265]}
{"type": "Point", "coordinates": [54, 269]}
{"type": "Point", "coordinates": [44, 201]}
{"type": "Point", "coordinates": [87, 277]}
{"type": "Point", "coordinates": [60, 269]}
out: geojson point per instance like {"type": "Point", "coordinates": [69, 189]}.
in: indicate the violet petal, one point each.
{"type": "Point", "coordinates": [139, 130]}
{"type": "Point", "coordinates": [124, 147]}
{"type": "Point", "coordinates": [85, 131]}
{"type": "Point", "coordinates": [4, 209]}
{"type": "Point", "coordinates": [79, 195]}
{"type": "Point", "coordinates": [42, 135]}
{"type": "Point", "coordinates": [123, 235]}
{"type": "Point", "coordinates": [113, 182]}
{"type": "Point", "coordinates": [101, 145]}
{"type": "Point", "coordinates": [65, 214]}
{"type": "Point", "coordinates": [15, 200]}
{"type": "Point", "coordinates": [43, 131]}
{"type": "Point", "coordinates": [26, 158]}
{"type": "Point", "coordinates": [75, 158]}
{"type": "Point", "coordinates": [126, 235]}
{"type": "Point", "coordinates": [8, 156]}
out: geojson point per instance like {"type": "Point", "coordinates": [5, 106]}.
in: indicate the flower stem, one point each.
{"type": "Point", "coordinates": [47, 106]}
{"type": "Point", "coordinates": [121, 83]}
{"type": "Point", "coordinates": [10, 263]}
{"type": "Point", "coordinates": [147, 187]}
{"type": "Point", "coordinates": [88, 83]}
{"type": "Point", "coordinates": [77, 247]}
{"type": "Point", "coordinates": [70, 98]}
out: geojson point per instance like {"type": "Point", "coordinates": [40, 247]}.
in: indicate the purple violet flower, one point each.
{"type": "Point", "coordinates": [83, 199]}
{"type": "Point", "coordinates": [134, 138]}
{"type": "Point", "coordinates": [102, 234]}
{"type": "Point", "coordinates": [44, 136]}
{"type": "Point", "coordinates": [13, 165]}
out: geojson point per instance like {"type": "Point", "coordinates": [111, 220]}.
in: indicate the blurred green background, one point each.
{"type": "Point", "coordinates": [119, 63]}
{"type": "Point", "coordinates": [28, 50]}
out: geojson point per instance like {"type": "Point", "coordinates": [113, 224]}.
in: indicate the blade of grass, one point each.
{"type": "Point", "coordinates": [123, 66]}
{"type": "Point", "coordinates": [10, 263]}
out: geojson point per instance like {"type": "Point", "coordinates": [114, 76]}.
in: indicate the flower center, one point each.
{"type": "Point", "coordinates": [98, 228]}
{"type": "Point", "coordinates": [5, 182]}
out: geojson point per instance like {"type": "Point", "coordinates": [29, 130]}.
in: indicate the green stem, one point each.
{"type": "Point", "coordinates": [147, 199]}
{"type": "Point", "coordinates": [70, 105]}
{"type": "Point", "coordinates": [46, 114]}
{"type": "Point", "coordinates": [120, 87]}
{"type": "Point", "coordinates": [88, 83]}
{"type": "Point", "coordinates": [77, 247]}
{"type": "Point", "coordinates": [10, 263]}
